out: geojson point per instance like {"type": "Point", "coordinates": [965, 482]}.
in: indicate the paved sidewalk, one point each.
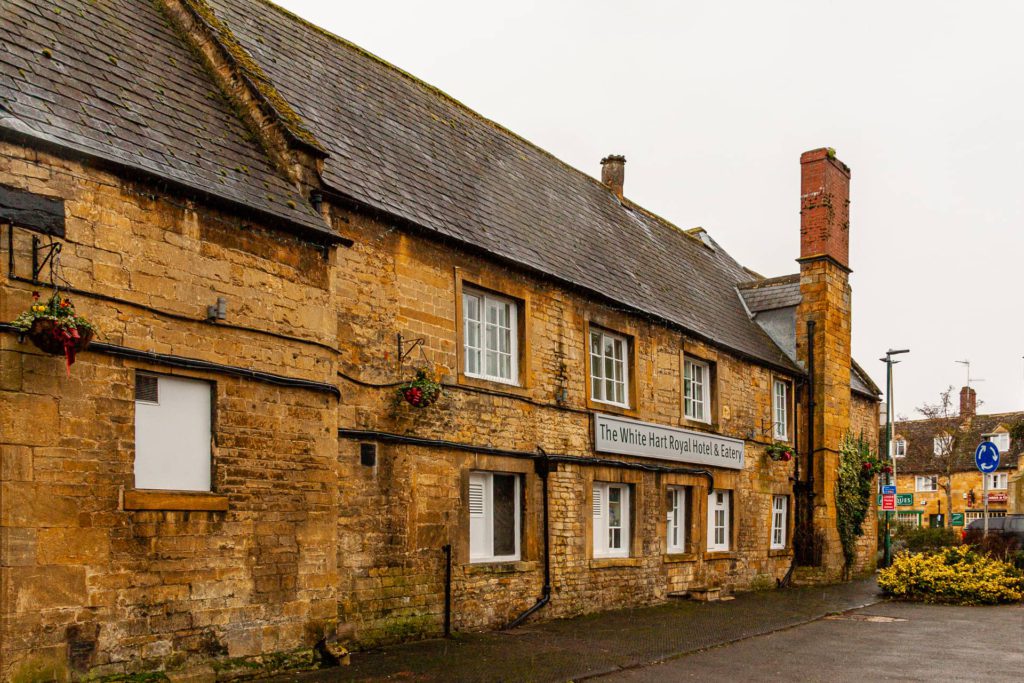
{"type": "Point", "coordinates": [889, 641]}
{"type": "Point", "coordinates": [582, 647]}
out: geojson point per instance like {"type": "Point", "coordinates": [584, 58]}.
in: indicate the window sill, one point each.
{"type": "Point", "coordinates": [672, 558]}
{"type": "Point", "coordinates": [780, 552]}
{"type": "Point", "coordinates": [515, 388]}
{"type": "Point", "coordinates": [153, 499]}
{"type": "Point", "coordinates": [720, 555]}
{"type": "Point", "coordinates": [499, 567]}
{"type": "Point", "coordinates": [601, 407]}
{"type": "Point", "coordinates": [608, 562]}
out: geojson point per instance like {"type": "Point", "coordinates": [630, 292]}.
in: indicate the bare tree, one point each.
{"type": "Point", "coordinates": [948, 432]}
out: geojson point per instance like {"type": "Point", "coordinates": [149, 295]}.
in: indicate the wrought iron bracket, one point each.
{"type": "Point", "coordinates": [404, 352]}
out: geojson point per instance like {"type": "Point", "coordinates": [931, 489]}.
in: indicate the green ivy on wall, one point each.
{"type": "Point", "coordinates": [858, 466]}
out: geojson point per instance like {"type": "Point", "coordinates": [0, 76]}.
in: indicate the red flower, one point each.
{"type": "Point", "coordinates": [35, 296]}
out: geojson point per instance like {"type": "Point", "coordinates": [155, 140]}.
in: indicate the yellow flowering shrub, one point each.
{"type": "Point", "coordinates": [954, 575]}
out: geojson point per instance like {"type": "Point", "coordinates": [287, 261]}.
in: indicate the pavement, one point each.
{"type": "Point", "coordinates": [625, 640]}
{"type": "Point", "coordinates": [890, 641]}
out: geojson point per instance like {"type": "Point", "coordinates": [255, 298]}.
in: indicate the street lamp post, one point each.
{"type": "Point", "coordinates": [891, 478]}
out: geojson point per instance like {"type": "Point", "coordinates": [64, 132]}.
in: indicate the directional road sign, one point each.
{"type": "Point", "coordinates": [986, 457]}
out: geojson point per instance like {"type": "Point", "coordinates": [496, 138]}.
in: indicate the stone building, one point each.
{"type": "Point", "coordinates": [273, 231]}
{"type": "Point", "coordinates": [926, 466]}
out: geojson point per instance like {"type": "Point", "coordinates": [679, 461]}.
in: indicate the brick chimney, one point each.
{"type": "Point", "coordinates": [968, 402]}
{"type": "Point", "coordinates": [824, 206]}
{"type": "Point", "coordinates": [825, 302]}
{"type": "Point", "coordinates": [613, 173]}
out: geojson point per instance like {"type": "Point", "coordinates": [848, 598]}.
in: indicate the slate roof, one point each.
{"type": "Point", "coordinates": [770, 294]}
{"type": "Point", "coordinates": [112, 80]}
{"type": "Point", "coordinates": [398, 145]}
{"type": "Point", "coordinates": [920, 434]}
{"type": "Point", "coordinates": [773, 302]}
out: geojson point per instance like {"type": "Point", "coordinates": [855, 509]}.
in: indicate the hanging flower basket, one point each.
{"type": "Point", "coordinates": [55, 328]}
{"type": "Point", "coordinates": [780, 452]}
{"type": "Point", "coordinates": [420, 392]}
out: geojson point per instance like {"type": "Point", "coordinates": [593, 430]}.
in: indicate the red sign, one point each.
{"type": "Point", "coordinates": [997, 497]}
{"type": "Point", "coordinates": [888, 501]}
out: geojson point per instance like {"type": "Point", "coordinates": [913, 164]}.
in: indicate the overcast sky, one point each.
{"type": "Point", "coordinates": [712, 104]}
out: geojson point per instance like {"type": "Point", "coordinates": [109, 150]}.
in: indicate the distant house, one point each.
{"type": "Point", "coordinates": [918, 447]}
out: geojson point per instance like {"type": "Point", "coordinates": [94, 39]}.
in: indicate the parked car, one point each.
{"type": "Point", "coordinates": [1010, 528]}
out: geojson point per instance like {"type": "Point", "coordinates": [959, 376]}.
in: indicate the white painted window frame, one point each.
{"type": "Point", "coordinates": [997, 481]}
{"type": "Point", "coordinates": [940, 443]}
{"type": "Point", "coordinates": [481, 517]}
{"type": "Point", "coordinates": [1000, 439]}
{"type": "Point", "coordinates": [485, 330]}
{"type": "Point", "coordinates": [899, 448]}
{"type": "Point", "coordinates": [696, 390]}
{"type": "Point", "coordinates": [174, 434]}
{"type": "Point", "coordinates": [780, 409]}
{"type": "Point", "coordinates": [719, 519]}
{"type": "Point", "coordinates": [676, 522]}
{"type": "Point", "coordinates": [780, 519]}
{"type": "Point", "coordinates": [599, 382]}
{"type": "Point", "coordinates": [602, 531]}
{"type": "Point", "coordinates": [926, 483]}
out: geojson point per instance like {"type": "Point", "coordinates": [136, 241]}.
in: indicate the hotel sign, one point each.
{"type": "Point", "coordinates": [623, 436]}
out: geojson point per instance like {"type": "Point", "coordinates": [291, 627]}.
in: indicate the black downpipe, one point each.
{"type": "Point", "coordinates": [810, 409]}
{"type": "Point", "coordinates": [542, 465]}
{"type": "Point", "coordinates": [447, 590]}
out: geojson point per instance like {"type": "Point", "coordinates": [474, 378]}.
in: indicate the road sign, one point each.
{"type": "Point", "coordinates": [888, 501]}
{"type": "Point", "coordinates": [889, 488]}
{"type": "Point", "coordinates": [957, 518]}
{"type": "Point", "coordinates": [986, 457]}
{"type": "Point", "coordinates": [902, 499]}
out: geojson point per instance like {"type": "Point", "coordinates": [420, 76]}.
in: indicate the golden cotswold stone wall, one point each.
{"type": "Point", "coordinates": [89, 585]}
{"type": "Point", "coordinates": [391, 563]}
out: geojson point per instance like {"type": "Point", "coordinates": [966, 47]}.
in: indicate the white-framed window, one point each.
{"type": "Point", "coordinates": [780, 511]}
{"type": "Point", "coordinates": [941, 444]}
{"type": "Point", "coordinates": [925, 484]}
{"type": "Point", "coordinates": [696, 383]}
{"type": "Point", "coordinates": [490, 331]}
{"type": "Point", "coordinates": [677, 505]}
{"type": "Point", "coordinates": [911, 519]}
{"type": "Point", "coordinates": [997, 480]}
{"type": "Point", "coordinates": [611, 519]}
{"type": "Point", "coordinates": [609, 368]}
{"type": "Point", "coordinates": [780, 409]}
{"type": "Point", "coordinates": [173, 422]}
{"type": "Point", "coordinates": [899, 448]}
{"type": "Point", "coordinates": [494, 517]}
{"type": "Point", "coordinates": [719, 522]}
{"type": "Point", "coordinates": [1000, 439]}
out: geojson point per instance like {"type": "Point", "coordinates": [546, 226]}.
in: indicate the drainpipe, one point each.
{"type": "Point", "coordinates": [542, 467]}
{"type": "Point", "coordinates": [447, 549]}
{"type": "Point", "coordinates": [810, 409]}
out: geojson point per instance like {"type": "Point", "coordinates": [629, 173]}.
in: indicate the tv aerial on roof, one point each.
{"type": "Point", "coordinates": [970, 379]}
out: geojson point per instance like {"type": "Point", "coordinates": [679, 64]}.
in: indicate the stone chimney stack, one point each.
{"type": "Point", "coordinates": [825, 303]}
{"type": "Point", "coordinates": [968, 402]}
{"type": "Point", "coordinates": [613, 173]}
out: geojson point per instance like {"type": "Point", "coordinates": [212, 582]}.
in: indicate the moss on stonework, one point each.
{"type": "Point", "coordinates": [397, 630]}
{"type": "Point", "coordinates": [259, 79]}
{"type": "Point", "coordinates": [267, 664]}
{"type": "Point", "coordinates": [147, 677]}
